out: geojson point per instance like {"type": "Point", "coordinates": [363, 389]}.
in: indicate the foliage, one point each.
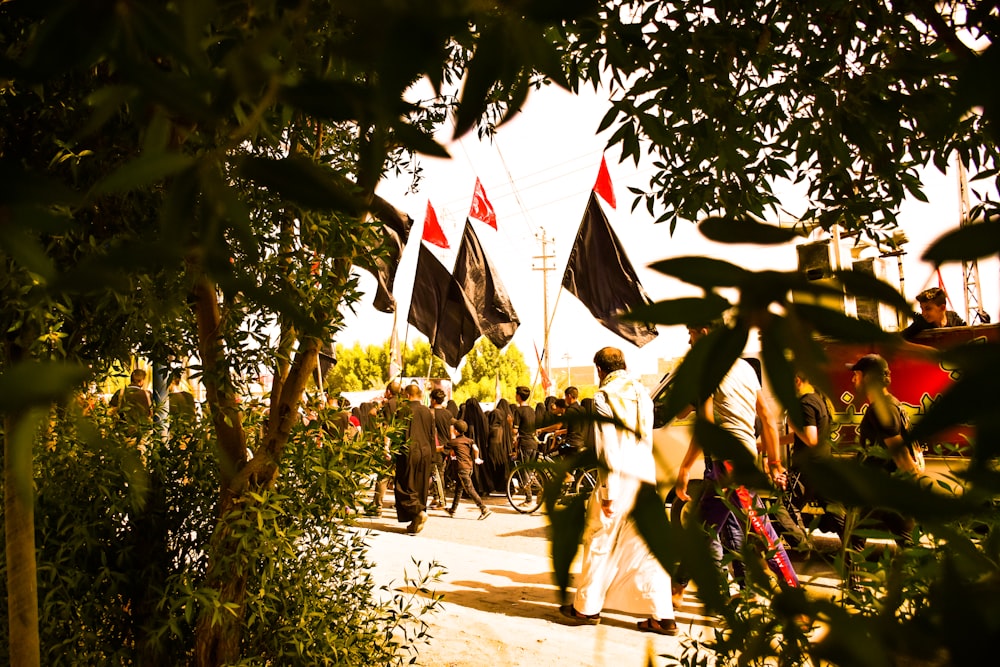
{"type": "Point", "coordinates": [849, 99]}
{"type": "Point", "coordinates": [416, 359]}
{"type": "Point", "coordinates": [358, 368]}
{"type": "Point", "coordinates": [846, 102]}
{"type": "Point", "coordinates": [123, 551]}
{"type": "Point", "coordinates": [185, 178]}
{"type": "Point", "coordinates": [485, 366]}
{"type": "Point", "coordinates": [907, 604]}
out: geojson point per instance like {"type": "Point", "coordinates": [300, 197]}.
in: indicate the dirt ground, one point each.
{"type": "Point", "coordinates": [500, 603]}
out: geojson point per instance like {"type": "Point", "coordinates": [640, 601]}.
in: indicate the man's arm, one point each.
{"type": "Point", "coordinates": [705, 411]}
{"type": "Point", "coordinates": [900, 454]}
{"type": "Point", "coordinates": [769, 436]}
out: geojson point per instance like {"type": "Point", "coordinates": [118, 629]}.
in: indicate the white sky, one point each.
{"type": "Point", "coordinates": [538, 173]}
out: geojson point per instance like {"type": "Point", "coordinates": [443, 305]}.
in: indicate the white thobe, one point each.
{"type": "Point", "coordinates": [619, 572]}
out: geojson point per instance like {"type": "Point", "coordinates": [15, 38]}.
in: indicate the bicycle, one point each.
{"type": "Point", "coordinates": [538, 475]}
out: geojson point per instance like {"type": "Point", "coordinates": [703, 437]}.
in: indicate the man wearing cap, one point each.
{"type": "Point", "coordinates": [934, 313]}
{"type": "Point", "coordinates": [882, 433]}
{"type": "Point", "coordinates": [466, 456]}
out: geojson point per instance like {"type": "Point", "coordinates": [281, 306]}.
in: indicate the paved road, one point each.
{"type": "Point", "coordinates": [500, 605]}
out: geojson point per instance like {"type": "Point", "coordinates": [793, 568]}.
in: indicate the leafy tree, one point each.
{"type": "Point", "coordinates": [416, 359]}
{"type": "Point", "coordinates": [184, 177]}
{"type": "Point", "coordinates": [485, 365]}
{"type": "Point", "coordinates": [851, 99]}
{"type": "Point", "coordinates": [359, 368]}
{"type": "Point", "coordinates": [734, 101]}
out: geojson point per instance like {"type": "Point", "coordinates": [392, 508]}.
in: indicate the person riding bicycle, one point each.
{"type": "Point", "coordinates": [524, 426]}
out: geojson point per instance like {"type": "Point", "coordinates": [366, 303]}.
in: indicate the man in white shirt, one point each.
{"type": "Point", "coordinates": [735, 406]}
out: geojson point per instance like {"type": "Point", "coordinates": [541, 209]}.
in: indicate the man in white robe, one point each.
{"type": "Point", "coordinates": [619, 572]}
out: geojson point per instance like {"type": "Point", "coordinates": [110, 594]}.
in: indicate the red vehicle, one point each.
{"type": "Point", "coordinates": [916, 382]}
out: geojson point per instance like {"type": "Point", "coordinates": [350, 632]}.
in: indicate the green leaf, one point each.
{"type": "Point", "coordinates": [704, 272]}
{"type": "Point", "coordinates": [722, 445]}
{"type": "Point", "coordinates": [859, 283]}
{"type": "Point", "coordinates": [780, 373]}
{"type": "Point", "coordinates": [703, 367]}
{"type": "Point", "coordinates": [654, 525]}
{"type": "Point", "coordinates": [32, 383]}
{"type": "Point", "coordinates": [840, 326]}
{"type": "Point", "coordinates": [568, 523]}
{"type": "Point", "coordinates": [25, 249]}
{"type": "Point", "coordinates": [687, 310]}
{"type": "Point", "coordinates": [745, 230]}
{"type": "Point", "coordinates": [303, 182]}
{"type": "Point", "coordinates": [980, 239]}
{"type": "Point", "coordinates": [859, 485]}
{"type": "Point", "coordinates": [483, 71]}
{"type": "Point", "coordinates": [335, 101]}
{"type": "Point", "coordinates": [144, 171]}
{"type": "Point", "coordinates": [971, 399]}
{"type": "Point", "coordinates": [418, 141]}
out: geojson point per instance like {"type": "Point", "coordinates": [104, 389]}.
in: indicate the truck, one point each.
{"type": "Point", "coordinates": [916, 381]}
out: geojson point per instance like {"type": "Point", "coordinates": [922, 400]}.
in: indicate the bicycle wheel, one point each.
{"type": "Point", "coordinates": [585, 482]}
{"type": "Point", "coordinates": [524, 489]}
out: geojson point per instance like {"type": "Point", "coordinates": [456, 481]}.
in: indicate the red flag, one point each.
{"type": "Point", "coordinates": [432, 230]}
{"type": "Point", "coordinates": [603, 185]}
{"type": "Point", "coordinates": [546, 382]}
{"type": "Point", "coordinates": [481, 208]}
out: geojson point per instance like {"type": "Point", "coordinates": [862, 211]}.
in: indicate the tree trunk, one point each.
{"type": "Point", "coordinates": [19, 518]}
{"type": "Point", "coordinates": [218, 642]}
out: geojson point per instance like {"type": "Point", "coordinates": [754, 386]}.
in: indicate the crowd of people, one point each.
{"type": "Point", "coordinates": [618, 571]}
{"type": "Point", "coordinates": [434, 446]}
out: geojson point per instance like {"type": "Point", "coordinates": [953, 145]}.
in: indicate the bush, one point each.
{"type": "Point", "coordinates": [122, 540]}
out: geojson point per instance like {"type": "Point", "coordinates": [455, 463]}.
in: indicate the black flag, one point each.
{"type": "Point", "coordinates": [440, 310]}
{"type": "Point", "coordinates": [600, 275]}
{"type": "Point", "coordinates": [395, 233]}
{"type": "Point", "coordinates": [481, 284]}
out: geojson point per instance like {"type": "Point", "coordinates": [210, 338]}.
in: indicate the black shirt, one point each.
{"type": "Point", "coordinates": [524, 422]}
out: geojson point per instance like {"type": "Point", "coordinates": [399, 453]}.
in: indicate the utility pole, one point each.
{"type": "Point", "coordinates": [545, 268]}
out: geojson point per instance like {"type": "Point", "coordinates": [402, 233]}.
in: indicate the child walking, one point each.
{"type": "Point", "coordinates": [466, 455]}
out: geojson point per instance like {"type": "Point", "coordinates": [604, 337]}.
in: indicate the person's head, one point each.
{"type": "Point", "coordinates": [392, 389]}
{"type": "Point", "coordinates": [870, 372]}
{"type": "Point", "coordinates": [413, 392]}
{"type": "Point", "coordinates": [608, 360]}
{"type": "Point", "coordinates": [558, 407]}
{"type": "Point", "coordinates": [437, 396]}
{"type": "Point", "coordinates": [460, 426]}
{"type": "Point", "coordinates": [698, 331]}
{"type": "Point", "coordinates": [523, 393]}
{"type": "Point", "coordinates": [138, 377]}
{"type": "Point", "coordinates": [572, 395]}
{"type": "Point", "coordinates": [933, 306]}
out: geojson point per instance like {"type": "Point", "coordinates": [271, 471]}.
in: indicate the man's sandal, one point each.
{"type": "Point", "coordinates": [576, 618]}
{"type": "Point", "coordinates": [666, 626]}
